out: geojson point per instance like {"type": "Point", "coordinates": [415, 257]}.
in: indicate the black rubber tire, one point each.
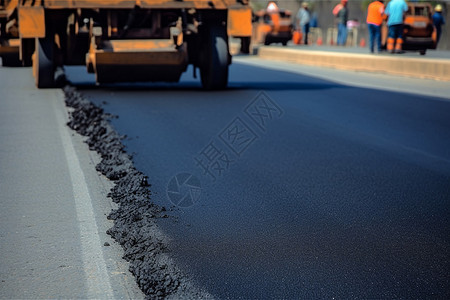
{"type": "Point", "coordinates": [215, 60]}
{"type": "Point", "coordinates": [43, 63]}
{"type": "Point", "coordinates": [11, 60]}
{"type": "Point", "coordinates": [423, 52]}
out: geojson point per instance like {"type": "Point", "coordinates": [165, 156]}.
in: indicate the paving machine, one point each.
{"type": "Point", "coordinates": [419, 33]}
{"type": "Point", "coordinates": [272, 25]}
{"type": "Point", "coordinates": [124, 40]}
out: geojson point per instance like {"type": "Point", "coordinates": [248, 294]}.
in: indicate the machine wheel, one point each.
{"type": "Point", "coordinates": [11, 60]}
{"type": "Point", "coordinates": [214, 69]}
{"type": "Point", "coordinates": [43, 63]}
{"type": "Point", "coordinates": [423, 52]}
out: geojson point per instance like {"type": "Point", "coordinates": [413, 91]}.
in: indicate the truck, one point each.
{"type": "Point", "coordinates": [123, 40]}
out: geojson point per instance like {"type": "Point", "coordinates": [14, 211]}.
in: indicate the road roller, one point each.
{"type": "Point", "coordinates": [124, 40]}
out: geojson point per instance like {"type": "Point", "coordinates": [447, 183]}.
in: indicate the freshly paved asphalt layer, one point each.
{"type": "Point", "coordinates": [314, 188]}
{"type": "Point", "coordinates": [53, 203]}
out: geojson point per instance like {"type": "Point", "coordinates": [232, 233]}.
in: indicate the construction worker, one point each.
{"type": "Point", "coordinates": [395, 12]}
{"type": "Point", "coordinates": [341, 13]}
{"type": "Point", "coordinates": [375, 13]}
{"type": "Point", "coordinates": [273, 15]}
{"type": "Point", "coordinates": [302, 23]}
{"type": "Point", "coordinates": [438, 21]}
{"type": "Point", "coordinates": [272, 7]}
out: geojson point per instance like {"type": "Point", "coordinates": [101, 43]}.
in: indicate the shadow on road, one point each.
{"type": "Point", "coordinates": [242, 77]}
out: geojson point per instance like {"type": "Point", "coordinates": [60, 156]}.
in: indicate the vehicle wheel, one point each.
{"type": "Point", "coordinates": [43, 64]}
{"type": "Point", "coordinates": [214, 69]}
{"type": "Point", "coordinates": [284, 43]}
{"type": "Point", "coordinates": [11, 60]}
{"type": "Point", "coordinates": [423, 52]}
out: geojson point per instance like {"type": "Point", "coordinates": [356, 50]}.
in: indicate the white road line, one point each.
{"type": "Point", "coordinates": [97, 278]}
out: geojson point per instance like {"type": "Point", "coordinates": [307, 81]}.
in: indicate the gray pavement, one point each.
{"type": "Point", "coordinates": [355, 59]}
{"type": "Point", "coordinates": [53, 203]}
{"type": "Point", "coordinates": [431, 54]}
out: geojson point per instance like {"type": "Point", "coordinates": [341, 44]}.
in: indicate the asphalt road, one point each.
{"type": "Point", "coordinates": [305, 183]}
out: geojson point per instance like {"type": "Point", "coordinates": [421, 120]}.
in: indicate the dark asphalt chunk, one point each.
{"type": "Point", "coordinates": [145, 247]}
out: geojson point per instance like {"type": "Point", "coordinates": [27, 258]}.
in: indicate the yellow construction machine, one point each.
{"type": "Point", "coordinates": [272, 25]}
{"type": "Point", "coordinates": [124, 40]}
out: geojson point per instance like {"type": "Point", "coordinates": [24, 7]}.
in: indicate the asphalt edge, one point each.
{"type": "Point", "coordinates": [437, 69]}
{"type": "Point", "coordinates": [145, 247]}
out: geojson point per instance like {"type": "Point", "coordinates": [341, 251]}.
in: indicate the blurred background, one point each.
{"type": "Point", "coordinates": [357, 11]}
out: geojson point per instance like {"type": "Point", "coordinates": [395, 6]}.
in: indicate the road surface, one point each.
{"type": "Point", "coordinates": [53, 203]}
{"type": "Point", "coordinates": [296, 182]}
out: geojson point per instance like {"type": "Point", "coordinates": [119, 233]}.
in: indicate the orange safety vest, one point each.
{"type": "Point", "coordinates": [375, 13]}
{"type": "Point", "coordinates": [337, 8]}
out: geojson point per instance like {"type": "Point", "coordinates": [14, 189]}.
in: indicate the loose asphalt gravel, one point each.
{"type": "Point", "coordinates": [134, 227]}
